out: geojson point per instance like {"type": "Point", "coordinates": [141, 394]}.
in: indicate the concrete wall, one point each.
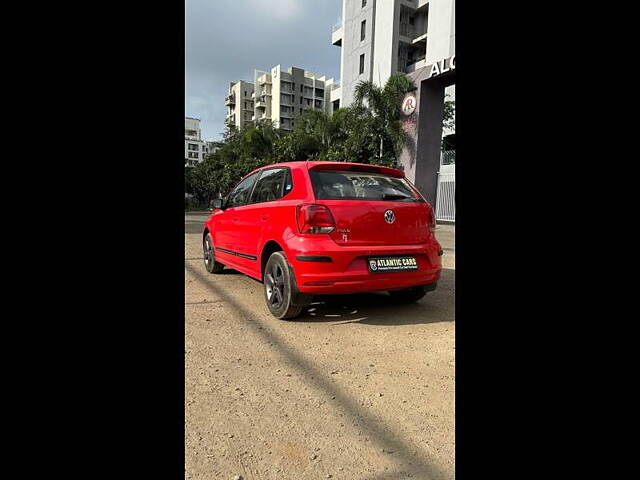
{"type": "Point", "coordinates": [385, 57]}
{"type": "Point", "coordinates": [276, 90]}
{"type": "Point", "coordinates": [441, 30]}
{"type": "Point", "coordinates": [242, 113]}
{"type": "Point", "coordinates": [243, 91]}
{"type": "Point", "coordinates": [352, 47]}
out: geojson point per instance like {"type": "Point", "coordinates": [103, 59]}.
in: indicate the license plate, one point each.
{"type": "Point", "coordinates": [392, 264]}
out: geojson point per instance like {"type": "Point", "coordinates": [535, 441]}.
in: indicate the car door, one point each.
{"type": "Point", "coordinates": [269, 188]}
{"type": "Point", "coordinates": [226, 234]}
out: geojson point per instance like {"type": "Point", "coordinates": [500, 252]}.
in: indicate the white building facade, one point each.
{"type": "Point", "coordinates": [195, 149]}
{"type": "Point", "coordinates": [381, 37]}
{"type": "Point", "coordinates": [239, 103]}
{"type": "Point", "coordinates": [279, 96]}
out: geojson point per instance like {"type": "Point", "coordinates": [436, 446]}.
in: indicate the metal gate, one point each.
{"type": "Point", "coordinates": [446, 197]}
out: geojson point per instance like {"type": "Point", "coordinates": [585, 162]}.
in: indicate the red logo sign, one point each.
{"type": "Point", "coordinates": [409, 104]}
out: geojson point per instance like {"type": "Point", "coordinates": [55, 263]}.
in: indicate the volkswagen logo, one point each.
{"type": "Point", "coordinates": [389, 216]}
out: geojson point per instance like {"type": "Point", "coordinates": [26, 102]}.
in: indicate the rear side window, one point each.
{"type": "Point", "coordinates": [240, 195]}
{"type": "Point", "coordinates": [274, 183]}
{"type": "Point", "coordinates": [347, 185]}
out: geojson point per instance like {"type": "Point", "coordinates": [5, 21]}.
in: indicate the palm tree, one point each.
{"type": "Point", "coordinates": [382, 106]}
{"type": "Point", "coordinates": [326, 129]}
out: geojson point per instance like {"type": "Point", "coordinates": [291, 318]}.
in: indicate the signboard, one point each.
{"type": "Point", "coordinates": [443, 66]}
{"type": "Point", "coordinates": [409, 104]}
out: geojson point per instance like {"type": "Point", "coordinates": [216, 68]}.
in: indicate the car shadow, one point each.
{"type": "Point", "coordinates": [226, 271]}
{"type": "Point", "coordinates": [378, 308]}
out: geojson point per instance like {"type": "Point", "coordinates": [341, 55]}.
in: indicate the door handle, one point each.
{"type": "Point", "coordinates": [234, 220]}
{"type": "Point", "coordinates": [264, 218]}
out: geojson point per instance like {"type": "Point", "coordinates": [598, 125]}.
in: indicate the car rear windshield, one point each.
{"type": "Point", "coordinates": [349, 185]}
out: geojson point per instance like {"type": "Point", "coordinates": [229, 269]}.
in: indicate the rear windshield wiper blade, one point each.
{"type": "Point", "coordinates": [395, 196]}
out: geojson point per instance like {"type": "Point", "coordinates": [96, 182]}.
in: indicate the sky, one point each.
{"type": "Point", "coordinates": [227, 39]}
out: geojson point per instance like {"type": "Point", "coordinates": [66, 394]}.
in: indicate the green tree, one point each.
{"type": "Point", "coordinates": [378, 110]}
{"type": "Point", "coordinates": [449, 113]}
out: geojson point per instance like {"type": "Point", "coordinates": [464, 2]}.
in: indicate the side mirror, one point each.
{"type": "Point", "coordinates": [217, 204]}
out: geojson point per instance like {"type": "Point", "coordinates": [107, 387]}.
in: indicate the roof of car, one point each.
{"type": "Point", "coordinates": [337, 165]}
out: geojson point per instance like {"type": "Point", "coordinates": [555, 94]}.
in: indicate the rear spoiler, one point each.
{"type": "Point", "coordinates": [357, 167]}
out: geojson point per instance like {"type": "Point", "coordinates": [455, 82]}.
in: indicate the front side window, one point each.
{"type": "Point", "coordinates": [240, 195]}
{"type": "Point", "coordinates": [348, 185]}
{"type": "Point", "coordinates": [273, 184]}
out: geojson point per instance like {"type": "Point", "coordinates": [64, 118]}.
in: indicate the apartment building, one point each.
{"type": "Point", "coordinates": [282, 95]}
{"type": "Point", "coordinates": [239, 103]}
{"type": "Point", "coordinates": [382, 37]}
{"type": "Point", "coordinates": [195, 148]}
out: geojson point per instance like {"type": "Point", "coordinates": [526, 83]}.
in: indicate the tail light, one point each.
{"type": "Point", "coordinates": [432, 220]}
{"type": "Point", "coordinates": [313, 218]}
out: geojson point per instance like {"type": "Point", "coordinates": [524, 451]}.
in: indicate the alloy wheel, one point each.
{"type": "Point", "coordinates": [275, 286]}
{"type": "Point", "coordinates": [208, 252]}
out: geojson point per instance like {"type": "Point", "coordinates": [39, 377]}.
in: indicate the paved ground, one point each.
{"type": "Point", "coordinates": [356, 389]}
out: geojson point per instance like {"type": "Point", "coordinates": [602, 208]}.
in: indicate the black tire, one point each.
{"type": "Point", "coordinates": [279, 287]}
{"type": "Point", "coordinates": [209, 253]}
{"type": "Point", "coordinates": [408, 295]}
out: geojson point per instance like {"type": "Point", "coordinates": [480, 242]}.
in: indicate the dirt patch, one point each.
{"type": "Point", "coordinates": [355, 389]}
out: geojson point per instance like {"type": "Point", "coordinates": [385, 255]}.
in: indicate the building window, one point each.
{"type": "Point", "coordinates": [363, 29]}
{"type": "Point", "coordinates": [193, 146]}
{"type": "Point", "coordinates": [361, 64]}
{"type": "Point", "coordinates": [364, 3]}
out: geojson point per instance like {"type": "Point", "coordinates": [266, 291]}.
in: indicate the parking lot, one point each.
{"type": "Point", "coordinates": [356, 388]}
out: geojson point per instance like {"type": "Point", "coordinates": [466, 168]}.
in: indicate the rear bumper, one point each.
{"type": "Point", "coordinates": [323, 267]}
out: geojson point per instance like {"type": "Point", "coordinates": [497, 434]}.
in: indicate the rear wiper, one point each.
{"type": "Point", "coordinates": [395, 196]}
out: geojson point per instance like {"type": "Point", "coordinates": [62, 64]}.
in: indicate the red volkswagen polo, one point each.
{"type": "Point", "coordinates": [305, 228]}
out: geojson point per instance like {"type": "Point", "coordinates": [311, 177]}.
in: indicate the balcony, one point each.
{"type": "Point", "coordinates": [420, 39]}
{"type": "Point", "coordinates": [336, 92]}
{"type": "Point", "coordinates": [407, 31]}
{"type": "Point", "coordinates": [415, 66]}
{"type": "Point", "coordinates": [229, 100]}
{"type": "Point", "coordinates": [336, 35]}
{"type": "Point", "coordinates": [261, 103]}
